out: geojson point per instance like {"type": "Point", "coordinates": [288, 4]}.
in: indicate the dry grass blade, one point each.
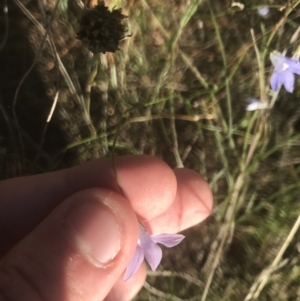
{"type": "Point", "coordinates": [266, 273]}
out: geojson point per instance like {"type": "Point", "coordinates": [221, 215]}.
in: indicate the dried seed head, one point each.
{"type": "Point", "coordinates": [101, 29]}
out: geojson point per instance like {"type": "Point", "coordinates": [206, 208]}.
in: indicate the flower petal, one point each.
{"type": "Point", "coordinates": [275, 81]}
{"type": "Point", "coordinates": [168, 240]}
{"type": "Point", "coordinates": [134, 263]}
{"type": "Point", "coordinates": [288, 80]}
{"type": "Point", "coordinates": [277, 59]}
{"type": "Point", "coordinates": [152, 251]}
{"type": "Point", "coordinates": [294, 65]}
{"type": "Point", "coordinates": [153, 254]}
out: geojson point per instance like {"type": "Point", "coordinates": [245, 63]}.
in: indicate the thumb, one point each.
{"type": "Point", "coordinates": [77, 253]}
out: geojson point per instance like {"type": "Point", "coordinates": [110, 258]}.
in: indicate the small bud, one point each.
{"type": "Point", "coordinates": [255, 104]}
{"type": "Point", "coordinates": [263, 11]}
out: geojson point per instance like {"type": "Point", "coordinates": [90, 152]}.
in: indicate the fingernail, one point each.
{"type": "Point", "coordinates": [96, 231]}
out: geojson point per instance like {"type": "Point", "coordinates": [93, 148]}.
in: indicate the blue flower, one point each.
{"type": "Point", "coordinates": [263, 11]}
{"type": "Point", "coordinates": [284, 71]}
{"type": "Point", "coordinates": [147, 248]}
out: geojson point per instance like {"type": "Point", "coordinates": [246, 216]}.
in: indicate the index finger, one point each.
{"type": "Point", "coordinates": [165, 201]}
{"type": "Point", "coordinates": [147, 182]}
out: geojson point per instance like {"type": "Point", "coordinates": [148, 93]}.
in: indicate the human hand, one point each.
{"type": "Point", "coordinates": [69, 235]}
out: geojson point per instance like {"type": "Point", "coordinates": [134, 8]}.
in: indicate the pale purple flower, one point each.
{"type": "Point", "coordinates": [263, 11]}
{"type": "Point", "coordinates": [284, 70]}
{"type": "Point", "coordinates": [256, 104]}
{"type": "Point", "coordinates": [147, 248]}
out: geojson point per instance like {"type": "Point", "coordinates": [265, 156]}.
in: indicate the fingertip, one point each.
{"type": "Point", "coordinates": [196, 188]}
{"type": "Point", "coordinates": [192, 204]}
{"type": "Point", "coordinates": [194, 199]}
{"type": "Point", "coordinates": [148, 180]}
{"type": "Point", "coordinates": [143, 180]}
